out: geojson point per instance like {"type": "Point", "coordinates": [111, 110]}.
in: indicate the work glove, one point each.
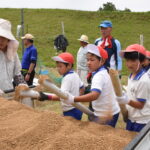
{"type": "Point", "coordinates": [123, 99]}
{"type": "Point", "coordinates": [1, 92]}
{"type": "Point", "coordinates": [70, 98]}
{"type": "Point", "coordinates": [43, 96]}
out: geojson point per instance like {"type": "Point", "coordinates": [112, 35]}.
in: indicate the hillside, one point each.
{"type": "Point", "coordinates": [45, 25]}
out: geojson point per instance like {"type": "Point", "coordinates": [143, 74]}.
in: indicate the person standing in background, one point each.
{"type": "Point", "coordinates": [111, 45]}
{"type": "Point", "coordinates": [29, 59]}
{"type": "Point", "coordinates": [82, 68]}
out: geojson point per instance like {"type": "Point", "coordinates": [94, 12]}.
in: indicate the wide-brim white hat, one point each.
{"type": "Point", "coordinates": [5, 29]}
{"type": "Point", "coordinates": [84, 38]}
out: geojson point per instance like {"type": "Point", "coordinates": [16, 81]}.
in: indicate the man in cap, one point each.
{"type": "Point", "coordinates": [111, 45]}
{"type": "Point", "coordinates": [10, 67]}
{"type": "Point", "coordinates": [29, 59]}
{"type": "Point", "coordinates": [82, 68]}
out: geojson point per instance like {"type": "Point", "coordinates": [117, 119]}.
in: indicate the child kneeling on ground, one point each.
{"type": "Point", "coordinates": [102, 93]}
{"type": "Point", "coordinates": [70, 83]}
{"type": "Point", "coordinates": [138, 89]}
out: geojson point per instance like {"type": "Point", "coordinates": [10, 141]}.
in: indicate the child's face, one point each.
{"type": "Point", "coordinates": [62, 68]}
{"type": "Point", "coordinates": [133, 65]}
{"type": "Point", "coordinates": [93, 62]}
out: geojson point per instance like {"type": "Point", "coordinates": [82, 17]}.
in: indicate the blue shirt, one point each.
{"type": "Point", "coordinates": [30, 54]}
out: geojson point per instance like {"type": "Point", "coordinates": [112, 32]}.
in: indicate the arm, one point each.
{"type": "Point", "coordinates": [136, 104]}
{"type": "Point", "coordinates": [118, 45]}
{"type": "Point", "coordinates": [18, 78]}
{"type": "Point", "coordinates": [88, 97]}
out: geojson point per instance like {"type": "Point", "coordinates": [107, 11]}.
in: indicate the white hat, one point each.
{"type": "Point", "coordinates": [84, 38]}
{"type": "Point", "coordinates": [91, 48]}
{"type": "Point", "coordinates": [28, 36]}
{"type": "Point", "coordinates": [5, 29]}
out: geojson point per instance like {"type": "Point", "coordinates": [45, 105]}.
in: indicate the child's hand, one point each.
{"type": "Point", "coordinates": [43, 97]}
{"type": "Point", "coordinates": [123, 99]}
{"type": "Point", "coordinates": [70, 99]}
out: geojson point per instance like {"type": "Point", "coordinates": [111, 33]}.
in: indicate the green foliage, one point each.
{"type": "Point", "coordinates": [127, 10]}
{"type": "Point", "coordinates": [108, 7]}
{"type": "Point", "coordinates": [45, 25]}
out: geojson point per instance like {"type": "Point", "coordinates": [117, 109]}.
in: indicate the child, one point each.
{"type": "Point", "coordinates": [70, 83]}
{"type": "Point", "coordinates": [102, 94]}
{"type": "Point", "coordinates": [147, 61]}
{"type": "Point", "coordinates": [138, 88]}
{"type": "Point", "coordinates": [82, 68]}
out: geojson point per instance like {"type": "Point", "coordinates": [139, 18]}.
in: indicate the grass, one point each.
{"type": "Point", "coordinates": [45, 25]}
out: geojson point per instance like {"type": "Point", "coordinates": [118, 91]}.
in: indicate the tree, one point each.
{"type": "Point", "coordinates": [108, 7]}
{"type": "Point", "coordinates": [127, 10]}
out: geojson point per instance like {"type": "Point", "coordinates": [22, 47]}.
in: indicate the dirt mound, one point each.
{"type": "Point", "coordinates": [22, 128]}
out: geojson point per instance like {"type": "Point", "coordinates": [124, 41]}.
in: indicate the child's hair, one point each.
{"type": "Point", "coordinates": [134, 56]}
{"type": "Point", "coordinates": [66, 64]}
{"type": "Point", "coordinates": [99, 58]}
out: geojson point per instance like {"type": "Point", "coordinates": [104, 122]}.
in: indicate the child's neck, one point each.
{"type": "Point", "coordinates": [135, 73]}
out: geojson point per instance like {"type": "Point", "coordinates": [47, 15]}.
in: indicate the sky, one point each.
{"type": "Point", "coordinates": [87, 5]}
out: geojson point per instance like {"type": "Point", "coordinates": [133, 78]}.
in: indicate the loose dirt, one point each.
{"type": "Point", "coordinates": [22, 128]}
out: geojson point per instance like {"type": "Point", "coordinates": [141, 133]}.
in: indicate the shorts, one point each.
{"type": "Point", "coordinates": [133, 126]}
{"type": "Point", "coordinates": [75, 113]}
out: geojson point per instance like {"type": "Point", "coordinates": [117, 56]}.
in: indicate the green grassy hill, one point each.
{"type": "Point", "coordinates": [45, 25]}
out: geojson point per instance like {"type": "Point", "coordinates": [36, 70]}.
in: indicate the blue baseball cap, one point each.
{"type": "Point", "coordinates": [105, 24]}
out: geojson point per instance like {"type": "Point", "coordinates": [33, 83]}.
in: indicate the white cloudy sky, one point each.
{"type": "Point", "coordinates": [91, 5]}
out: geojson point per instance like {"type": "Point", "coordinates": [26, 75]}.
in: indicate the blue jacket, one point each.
{"type": "Point", "coordinates": [114, 60]}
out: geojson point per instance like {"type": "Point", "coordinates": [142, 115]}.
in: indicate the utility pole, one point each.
{"type": "Point", "coordinates": [22, 26]}
{"type": "Point", "coordinates": [141, 39]}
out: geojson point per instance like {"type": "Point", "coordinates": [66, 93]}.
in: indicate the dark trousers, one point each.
{"type": "Point", "coordinates": [30, 82]}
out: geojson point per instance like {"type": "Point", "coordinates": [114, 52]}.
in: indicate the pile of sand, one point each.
{"type": "Point", "coordinates": [22, 128]}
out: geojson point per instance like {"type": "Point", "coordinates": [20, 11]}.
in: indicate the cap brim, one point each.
{"type": "Point", "coordinates": [57, 58]}
{"type": "Point", "coordinates": [23, 38]}
{"type": "Point", "coordinates": [104, 26]}
{"type": "Point", "coordinates": [82, 40]}
{"type": "Point", "coordinates": [122, 52]}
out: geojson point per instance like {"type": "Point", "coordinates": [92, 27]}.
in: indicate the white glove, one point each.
{"type": "Point", "coordinates": [1, 92]}
{"type": "Point", "coordinates": [70, 99]}
{"type": "Point", "coordinates": [123, 99]}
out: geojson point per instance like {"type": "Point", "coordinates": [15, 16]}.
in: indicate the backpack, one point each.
{"type": "Point", "coordinates": [61, 43]}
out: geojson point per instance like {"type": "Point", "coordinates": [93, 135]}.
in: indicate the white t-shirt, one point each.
{"type": "Point", "coordinates": [72, 84]}
{"type": "Point", "coordinates": [8, 70]}
{"type": "Point", "coordinates": [106, 102]}
{"type": "Point", "coordinates": [138, 89]}
{"type": "Point", "coordinates": [82, 59]}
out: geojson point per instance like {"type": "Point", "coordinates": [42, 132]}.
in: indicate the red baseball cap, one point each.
{"type": "Point", "coordinates": [134, 48]}
{"type": "Point", "coordinates": [64, 58]}
{"type": "Point", "coordinates": [103, 52]}
{"type": "Point", "coordinates": [97, 50]}
{"type": "Point", "coordinates": [148, 54]}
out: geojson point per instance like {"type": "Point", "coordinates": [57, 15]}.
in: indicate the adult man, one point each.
{"type": "Point", "coordinates": [29, 59]}
{"type": "Point", "coordinates": [10, 67]}
{"type": "Point", "coordinates": [111, 45]}
{"type": "Point", "coordinates": [82, 68]}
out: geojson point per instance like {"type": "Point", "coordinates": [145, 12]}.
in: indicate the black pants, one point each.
{"type": "Point", "coordinates": [30, 82]}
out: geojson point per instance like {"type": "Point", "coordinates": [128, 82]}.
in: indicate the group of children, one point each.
{"type": "Point", "coordinates": [102, 96]}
